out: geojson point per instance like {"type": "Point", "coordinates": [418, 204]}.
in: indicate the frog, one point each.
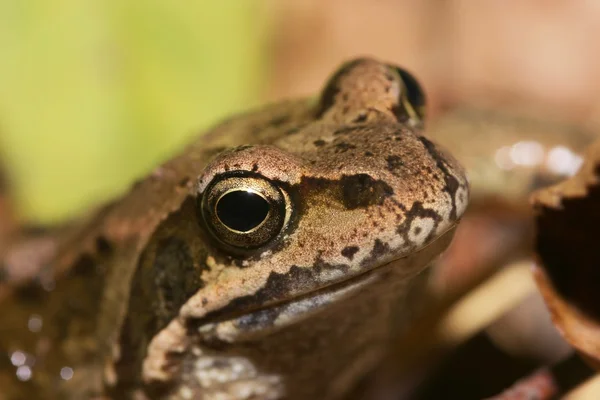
{"type": "Point", "coordinates": [273, 258]}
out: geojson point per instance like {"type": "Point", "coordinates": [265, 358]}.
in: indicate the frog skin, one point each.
{"type": "Point", "coordinates": [170, 292]}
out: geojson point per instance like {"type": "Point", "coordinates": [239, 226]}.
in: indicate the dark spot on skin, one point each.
{"type": "Point", "coordinates": [184, 182]}
{"type": "Point", "coordinates": [401, 132]}
{"type": "Point", "coordinates": [349, 252]}
{"type": "Point", "coordinates": [292, 130]}
{"type": "Point", "coordinates": [84, 265]}
{"type": "Point", "coordinates": [347, 129]}
{"type": "Point", "coordinates": [319, 143]}
{"type": "Point", "coordinates": [204, 301]}
{"type": "Point", "coordinates": [254, 167]}
{"type": "Point", "coordinates": [295, 129]}
{"type": "Point", "coordinates": [360, 118]}
{"type": "Point", "coordinates": [451, 183]}
{"type": "Point", "coordinates": [351, 191]}
{"type": "Point", "coordinates": [32, 293]}
{"type": "Point", "coordinates": [343, 147]}
{"type": "Point", "coordinates": [279, 120]}
{"type": "Point", "coordinates": [394, 163]}
{"type": "Point", "coordinates": [401, 206]}
{"type": "Point", "coordinates": [175, 277]}
{"type": "Point", "coordinates": [418, 211]}
{"type": "Point", "coordinates": [379, 250]}
{"type": "Point", "coordinates": [362, 190]}
{"type": "Point", "coordinates": [417, 230]}
{"type": "Point", "coordinates": [369, 154]}
{"type": "Point", "coordinates": [103, 245]}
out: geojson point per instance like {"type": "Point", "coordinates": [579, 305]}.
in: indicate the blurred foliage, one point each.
{"type": "Point", "coordinates": [93, 94]}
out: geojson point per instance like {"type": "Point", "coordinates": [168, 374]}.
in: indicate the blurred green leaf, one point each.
{"type": "Point", "coordinates": [94, 94]}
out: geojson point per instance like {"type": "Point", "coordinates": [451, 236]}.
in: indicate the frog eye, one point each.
{"type": "Point", "coordinates": [243, 211]}
{"type": "Point", "coordinates": [414, 97]}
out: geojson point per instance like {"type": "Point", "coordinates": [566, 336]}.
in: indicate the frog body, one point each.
{"type": "Point", "coordinates": [172, 292]}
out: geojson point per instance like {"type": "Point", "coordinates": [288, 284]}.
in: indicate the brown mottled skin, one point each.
{"type": "Point", "coordinates": [146, 298]}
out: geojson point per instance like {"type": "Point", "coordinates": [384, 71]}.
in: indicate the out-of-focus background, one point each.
{"type": "Point", "coordinates": [94, 94]}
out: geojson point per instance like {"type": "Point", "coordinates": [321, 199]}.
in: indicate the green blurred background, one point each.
{"type": "Point", "coordinates": [94, 94]}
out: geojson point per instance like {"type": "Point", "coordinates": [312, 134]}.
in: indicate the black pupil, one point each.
{"type": "Point", "coordinates": [242, 210]}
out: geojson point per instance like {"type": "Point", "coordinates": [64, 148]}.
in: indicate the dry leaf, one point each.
{"type": "Point", "coordinates": [568, 268]}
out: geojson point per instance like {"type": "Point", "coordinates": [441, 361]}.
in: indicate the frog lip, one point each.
{"type": "Point", "coordinates": [340, 288]}
{"type": "Point", "coordinates": [251, 305]}
{"type": "Point", "coordinates": [313, 301]}
{"type": "Point", "coordinates": [301, 304]}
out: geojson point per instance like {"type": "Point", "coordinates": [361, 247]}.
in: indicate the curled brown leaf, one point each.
{"type": "Point", "coordinates": [568, 251]}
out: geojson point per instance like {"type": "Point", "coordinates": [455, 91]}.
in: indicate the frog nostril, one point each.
{"type": "Point", "coordinates": [242, 210]}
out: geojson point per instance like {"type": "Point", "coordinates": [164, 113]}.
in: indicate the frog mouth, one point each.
{"type": "Point", "coordinates": [248, 315]}
{"type": "Point", "coordinates": [278, 315]}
